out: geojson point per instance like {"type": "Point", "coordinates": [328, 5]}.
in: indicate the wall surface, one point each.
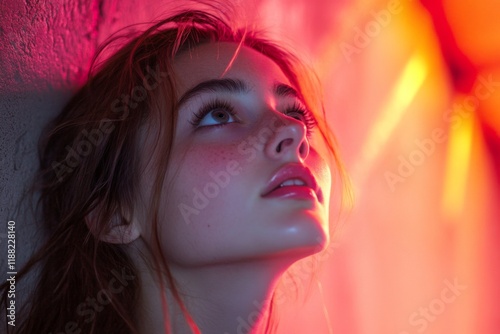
{"type": "Point", "coordinates": [45, 49]}
{"type": "Point", "coordinates": [426, 214]}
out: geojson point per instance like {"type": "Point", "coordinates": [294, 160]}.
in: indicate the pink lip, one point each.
{"type": "Point", "coordinates": [310, 190]}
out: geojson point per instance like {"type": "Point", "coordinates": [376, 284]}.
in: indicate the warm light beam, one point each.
{"type": "Point", "coordinates": [404, 92]}
{"type": "Point", "coordinates": [457, 167]}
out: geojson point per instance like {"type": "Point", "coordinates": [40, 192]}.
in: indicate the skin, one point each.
{"type": "Point", "coordinates": [228, 254]}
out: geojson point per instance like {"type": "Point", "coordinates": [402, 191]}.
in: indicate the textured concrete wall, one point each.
{"type": "Point", "coordinates": [45, 48]}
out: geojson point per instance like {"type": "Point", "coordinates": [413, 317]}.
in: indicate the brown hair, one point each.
{"type": "Point", "coordinates": [89, 170]}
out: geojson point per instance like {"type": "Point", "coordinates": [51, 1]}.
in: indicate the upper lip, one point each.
{"type": "Point", "coordinates": [293, 171]}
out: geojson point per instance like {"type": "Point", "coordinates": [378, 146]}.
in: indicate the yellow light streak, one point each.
{"type": "Point", "coordinates": [403, 93]}
{"type": "Point", "coordinates": [457, 167]}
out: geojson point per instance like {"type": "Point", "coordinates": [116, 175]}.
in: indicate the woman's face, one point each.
{"type": "Point", "coordinates": [246, 179]}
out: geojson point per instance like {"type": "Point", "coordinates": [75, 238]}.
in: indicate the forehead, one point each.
{"type": "Point", "coordinates": [222, 59]}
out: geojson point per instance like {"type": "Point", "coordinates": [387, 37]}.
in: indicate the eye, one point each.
{"type": "Point", "coordinates": [301, 113]}
{"type": "Point", "coordinates": [214, 113]}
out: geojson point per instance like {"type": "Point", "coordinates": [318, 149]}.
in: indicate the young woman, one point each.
{"type": "Point", "coordinates": [178, 185]}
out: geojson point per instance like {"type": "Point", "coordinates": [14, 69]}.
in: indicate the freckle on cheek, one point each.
{"type": "Point", "coordinates": [219, 156]}
{"type": "Point", "coordinates": [215, 159]}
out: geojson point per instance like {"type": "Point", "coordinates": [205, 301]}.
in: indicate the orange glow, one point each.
{"type": "Point", "coordinates": [457, 167]}
{"type": "Point", "coordinates": [476, 25]}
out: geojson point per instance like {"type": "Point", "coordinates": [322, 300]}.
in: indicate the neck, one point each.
{"type": "Point", "coordinates": [230, 298]}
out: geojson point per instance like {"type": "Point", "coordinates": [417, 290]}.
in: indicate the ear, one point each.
{"type": "Point", "coordinates": [121, 234]}
{"type": "Point", "coordinates": [118, 231]}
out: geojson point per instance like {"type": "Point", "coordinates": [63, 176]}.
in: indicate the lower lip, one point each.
{"type": "Point", "coordinates": [293, 192]}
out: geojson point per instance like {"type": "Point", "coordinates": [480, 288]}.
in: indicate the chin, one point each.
{"type": "Point", "coordinates": [308, 230]}
{"type": "Point", "coordinates": [304, 240]}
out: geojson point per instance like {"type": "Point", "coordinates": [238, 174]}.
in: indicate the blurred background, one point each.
{"type": "Point", "coordinates": [412, 90]}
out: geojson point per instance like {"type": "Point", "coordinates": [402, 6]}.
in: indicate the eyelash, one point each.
{"type": "Point", "coordinates": [210, 106]}
{"type": "Point", "coordinates": [308, 118]}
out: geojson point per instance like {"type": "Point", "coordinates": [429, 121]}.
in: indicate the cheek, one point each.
{"type": "Point", "coordinates": [202, 164]}
{"type": "Point", "coordinates": [197, 197]}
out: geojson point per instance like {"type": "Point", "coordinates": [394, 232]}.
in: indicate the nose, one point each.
{"type": "Point", "coordinates": [288, 141]}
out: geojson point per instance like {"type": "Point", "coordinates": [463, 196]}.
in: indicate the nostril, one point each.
{"type": "Point", "coordinates": [303, 149]}
{"type": "Point", "coordinates": [283, 144]}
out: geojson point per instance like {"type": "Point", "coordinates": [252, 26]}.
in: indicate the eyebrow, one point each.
{"type": "Point", "coordinates": [214, 86]}
{"type": "Point", "coordinates": [233, 86]}
{"type": "Point", "coordinates": [286, 91]}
